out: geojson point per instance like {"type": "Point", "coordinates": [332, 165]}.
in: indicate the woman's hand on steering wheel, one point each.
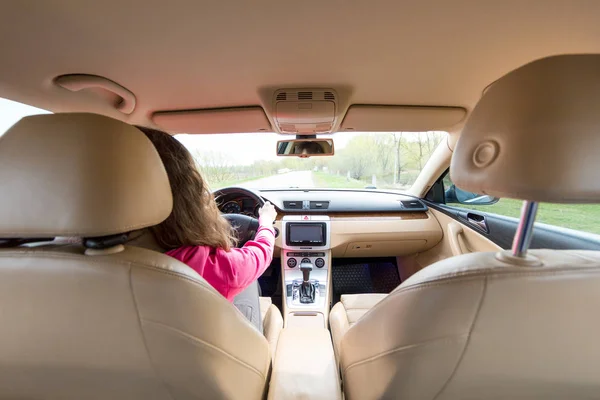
{"type": "Point", "coordinates": [267, 214]}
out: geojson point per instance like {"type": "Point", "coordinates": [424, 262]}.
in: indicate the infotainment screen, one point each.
{"type": "Point", "coordinates": [306, 234]}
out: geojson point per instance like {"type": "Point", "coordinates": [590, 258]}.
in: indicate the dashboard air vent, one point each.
{"type": "Point", "coordinates": [411, 204]}
{"type": "Point", "coordinates": [292, 205]}
{"type": "Point", "coordinates": [319, 205]}
{"type": "Point", "coordinates": [328, 96]}
{"type": "Point", "coordinates": [305, 95]}
{"type": "Point", "coordinates": [281, 96]}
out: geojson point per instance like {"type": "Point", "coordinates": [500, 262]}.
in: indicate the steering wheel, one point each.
{"type": "Point", "coordinates": [244, 225]}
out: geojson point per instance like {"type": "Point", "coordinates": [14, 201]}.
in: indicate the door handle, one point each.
{"type": "Point", "coordinates": [454, 231]}
{"type": "Point", "coordinates": [478, 220]}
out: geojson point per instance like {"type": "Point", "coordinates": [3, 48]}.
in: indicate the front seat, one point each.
{"type": "Point", "coordinates": [347, 312]}
{"type": "Point", "coordinates": [514, 324]}
{"type": "Point", "coordinates": [101, 319]}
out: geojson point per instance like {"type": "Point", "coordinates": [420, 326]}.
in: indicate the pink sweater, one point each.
{"type": "Point", "coordinates": [230, 272]}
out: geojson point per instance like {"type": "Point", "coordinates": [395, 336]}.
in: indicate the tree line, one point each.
{"type": "Point", "coordinates": [394, 158]}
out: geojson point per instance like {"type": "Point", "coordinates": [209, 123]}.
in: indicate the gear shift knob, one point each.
{"type": "Point", "coordinates": [306, 268]}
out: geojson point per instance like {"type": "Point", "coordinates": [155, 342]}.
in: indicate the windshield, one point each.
{"type": "Point", "coordinates": [361, 160]}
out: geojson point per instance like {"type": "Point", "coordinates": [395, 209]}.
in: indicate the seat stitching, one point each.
{"type": "Point", "coordinates": [159, 269]}
{"type": "Point", "coordinates": [462, 355]}
{"type": "Point", "coordinates": [209, 289]}
{"type": "Point", "coordinates": [498, 273]}
{"type": "Point", "coordinates": [450, 338]}
{"type": "Point", "coordinates": [137, 311]}
{"type": "Point", "coordinates": [202, 342]}
{"type": "Point", "coordinates": [95, 233]}
{"type": "Point", "coordinates": [475, 277]}
{"type": "Point", "coordinates": [415, 287]}
{"type": "Point", "coordinates": [583, 257]}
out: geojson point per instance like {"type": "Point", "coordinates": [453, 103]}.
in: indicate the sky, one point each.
{"type": "Point", "coordinates": [241, 148]}
{"type": "Point", "coordinates": [11, 112]}
{"type": "Point", "coordinates": [246, 148]}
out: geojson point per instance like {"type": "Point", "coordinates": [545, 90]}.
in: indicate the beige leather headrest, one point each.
{"type": "Point", "coordinates": [535, 134]}
{"type": "Point", "coordinates": [79, 175]}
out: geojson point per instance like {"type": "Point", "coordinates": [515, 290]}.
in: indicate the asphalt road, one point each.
{"type": "Point", "coordinates": [301, 179]}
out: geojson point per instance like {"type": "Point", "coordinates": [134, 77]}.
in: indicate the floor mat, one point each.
{"type": "Point", "coordinates": [354, 276]}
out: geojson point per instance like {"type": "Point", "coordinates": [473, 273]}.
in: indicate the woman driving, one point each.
{"type": "Point", "coordinates": [196, 234]}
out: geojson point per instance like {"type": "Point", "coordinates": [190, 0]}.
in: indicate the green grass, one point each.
{"type": "Point", "coordinates": [581, 217]}
{"type": "Point", "coordinates": [326, 180]}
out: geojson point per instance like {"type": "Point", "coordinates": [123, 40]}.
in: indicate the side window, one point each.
{"type": "Point", "coordinates": [11, 112]}
{"type": "Point", "coordinates": [455, 195]}
{"type": "Point", "coordinates": [580, 217]}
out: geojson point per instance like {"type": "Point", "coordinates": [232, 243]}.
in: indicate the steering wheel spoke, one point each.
{"type": "Point", "coordinates": [244, 225]}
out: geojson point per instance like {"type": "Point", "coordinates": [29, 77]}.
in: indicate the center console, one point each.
{"type": "Point", "coordinates": [305, 366]}
{"type": "Point", "coordinates": [306, 261]}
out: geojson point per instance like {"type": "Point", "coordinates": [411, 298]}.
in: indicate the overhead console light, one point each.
{"type": "Point", "coordinates": [305, 111]}
{"type": "Point", "coordinates": [118, 96]}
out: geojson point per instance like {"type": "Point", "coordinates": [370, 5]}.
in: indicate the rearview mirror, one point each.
{"type": "Point", "coordinates": [305, 147]}
{"type": "Point", "coordinates": [457, 195]}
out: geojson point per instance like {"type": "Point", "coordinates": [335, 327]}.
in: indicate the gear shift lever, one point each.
{"type": "Point", "coordinates": [306, 268]}
{"type": "Point", "coordinates": [307, 290]}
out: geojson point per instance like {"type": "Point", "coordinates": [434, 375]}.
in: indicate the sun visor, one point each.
{"type": "Point", "coordinates": [375, 118]}
{"type": "Point", "coordinates": [217, 120]}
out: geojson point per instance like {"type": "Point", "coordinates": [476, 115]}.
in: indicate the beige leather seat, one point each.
{"type": "Point", "coordinates": [106, 320]}
{"type": "Point", "coordinates": [272, 320]}
{"type": "Point", "coordinates": [500, 326]}
{"type": "Point", "coordinates": [349, 310]}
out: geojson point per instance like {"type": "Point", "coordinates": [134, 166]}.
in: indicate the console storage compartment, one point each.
{"type": "Point", "coordinates": [305, 320]}
{"type": "Point", "coordinates": [305, 366]}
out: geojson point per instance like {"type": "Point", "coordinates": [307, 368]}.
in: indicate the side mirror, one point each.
{"type": "Point", "coordinates": [305, 147]}
{"type": "Point", "coordinates": [457, 195]}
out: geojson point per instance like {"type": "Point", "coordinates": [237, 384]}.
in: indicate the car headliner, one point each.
{"type": "Point", "coordinates": [180, 55]}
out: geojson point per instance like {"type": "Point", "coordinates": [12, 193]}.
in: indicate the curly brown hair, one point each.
{"type": "Point", "coordinates": [195, 219]}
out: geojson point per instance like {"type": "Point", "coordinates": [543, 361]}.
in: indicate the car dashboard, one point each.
{"type": "Point", "coordinates": [362, 223]}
